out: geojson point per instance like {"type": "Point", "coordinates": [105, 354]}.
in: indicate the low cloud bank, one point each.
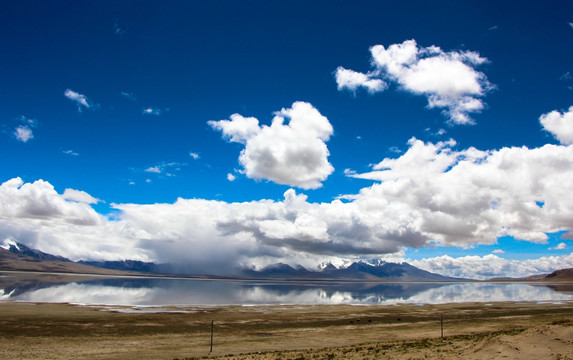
{"type": "Point", "coordinates": [433, 194]}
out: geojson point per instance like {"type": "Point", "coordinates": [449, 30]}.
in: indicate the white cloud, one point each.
{"type": "Point", "coordinates": [238, 129]}
{"type": "Point", "coordinates": [469, 196]}
{"type": "Point", "coordinates": [23, 133]}
{"type": "Point", "coordinates": [79, 99]}
{"type": "Point", "coordinates": [449, 80]}
{"type": "Point", "coordinates": [498, 251]}
{"type": "Point", "coordinates": [352, 80]}
{"type": "Point", "coordinates": [152, 111]}
{"type": "Point", "coordinates": [292, 154]}
{"type": "Point", "coordinates": [231, 177]}
{"type": "Point", "coordinates": [195, 156]}
{"type": "Point", "coordinates": [79, 196]}
{"type": "Point", "coordinates": [560, 246]}
{"type": "Point", "coordinates": [489, 266]}
{"type": "Point", "coordinates": [432, 194]}
{"type": "Point", "coordinates": [166, 169]}
{"type": "Point", "coordinates": [70, 152]}
{"type": "Point", "coordinates": [560, 125]}
{"type": "Point", "coordinates": [36, 215]}
{"type": "Point", "coordinates": [153, 169]}
{"type": "Point", "coordinates": [128, 95]}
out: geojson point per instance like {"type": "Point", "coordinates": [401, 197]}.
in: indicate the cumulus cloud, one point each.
{"type": "Point", "coordinates": [231, 177]}
{"type": "Point", "coordinates": [352, 80]}
{"type": "Point", "coordinates": [36, 215]}
{"type": "Point", "coordinates": [488, 266]}
{"type": "Point", "coordinates": [449, 80]}
{"type": "Point", "coordinates": [432, 194]}
{"type": "Point", "coordinates": [292, 154]}
{"type": "Point", "coordinates": [469, 196]}
{"type": "Point", "coordinates": [79, 99]}
{"type": "Point", "coordinates": [560, 246]}
{"type": "Point", "coordinates": [23, 133]}
{"type": "Point", "coordinates": [194, 155]}
{"type": "Point", "coordinates": [559, 124]}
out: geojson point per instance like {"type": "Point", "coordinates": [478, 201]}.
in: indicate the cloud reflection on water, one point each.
{"type": "Point", "coordinates": [129, 291]}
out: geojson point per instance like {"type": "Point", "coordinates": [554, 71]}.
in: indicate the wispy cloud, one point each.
{"type": "Point", "coordinates": [79, 99]}
{"type": "Point", "coordinates": [128, 95]}
{"type": "Point", "coordinates": [167, 169]}
{"type": "Point", "coordinates": [194, 155]}
{"type": "Point", "coordinates": [117, 29]}
{"type": "Point", "coordinates": [70, 153]}
{"type": "Point", "coordinates": [154, 111]}
{"type": "Point", "coordinates": [231, 177]}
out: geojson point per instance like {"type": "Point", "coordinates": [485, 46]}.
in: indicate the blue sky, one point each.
{"type": "Point", "coordinates": [129, 105]}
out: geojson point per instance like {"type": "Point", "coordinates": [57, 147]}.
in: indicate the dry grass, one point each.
{"type": "Point", "coordinates": [477, 331]}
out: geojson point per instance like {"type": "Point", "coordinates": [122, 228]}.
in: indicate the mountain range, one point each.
{"type": "Point", "coordinates": [15, 256]}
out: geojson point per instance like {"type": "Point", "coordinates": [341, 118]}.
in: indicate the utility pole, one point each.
{"type": "Point", "coordinates": [210, 351]}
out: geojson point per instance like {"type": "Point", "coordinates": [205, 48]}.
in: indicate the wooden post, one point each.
{"type": "Point", "coordinates": [442, 325]}
{"type": "Point", "coordinates": [210, 351]}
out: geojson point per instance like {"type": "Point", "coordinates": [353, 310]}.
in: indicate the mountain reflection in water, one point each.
{"type": "Point", "coordinates": [158, 291]}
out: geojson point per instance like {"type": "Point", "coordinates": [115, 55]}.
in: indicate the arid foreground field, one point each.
{"type": "Point", "coordinates": [471, 331]}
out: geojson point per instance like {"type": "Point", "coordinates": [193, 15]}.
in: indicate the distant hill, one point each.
{"type": "Point", "coordinates": [356, 271]}
{"type": "Point", "coordinates": [560, 275]}
{"type": "Point", "coordinates": [18, 257]}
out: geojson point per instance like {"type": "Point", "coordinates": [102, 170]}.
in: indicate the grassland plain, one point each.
{"type": "Point", "coordinates": [408, 331]}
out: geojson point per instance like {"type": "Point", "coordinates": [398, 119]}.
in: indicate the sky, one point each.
{"type": "Point", "coordinates": [226, 134]}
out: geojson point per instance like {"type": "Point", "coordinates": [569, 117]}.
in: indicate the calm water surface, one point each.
{"type": "Point", "coordinates": [153, 291]}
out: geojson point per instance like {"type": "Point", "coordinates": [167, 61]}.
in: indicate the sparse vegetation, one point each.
{"type": "Point", "coordinates": [279, 332]}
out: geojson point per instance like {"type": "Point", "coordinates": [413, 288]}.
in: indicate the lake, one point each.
{"type": "Point", "coordinates": [135, 291]}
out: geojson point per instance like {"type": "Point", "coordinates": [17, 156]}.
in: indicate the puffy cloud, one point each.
{"type": "Point", "coordinates": [239, 129]}
{"type": "Point", "coordinates": [449, 80]}
{"type": "Point", "coordinates": [352, 80]}
{"type": "Point", "coordinates": [79, 99]}
{"type": "Point", "coordinates": [194, 155]}
{"type": "Point", "coordinates": [36, 215]}
{"type": "Point", "coordinates": [231, 177]}
{"type": "Point", "coordinates": [292, 154]}
{"type": "Point", "coordinates": [23, 133]}
{"type": "Point", "coordinates": [432, 194]}
{"type": "Point", "coordinates": [560, 246]}
{"type": "Point", "coordinates": [469, 196]}
{"type": "Point", "coordinates": [560, 125]}
{"type": "Point", "coordinates": [488, 266]}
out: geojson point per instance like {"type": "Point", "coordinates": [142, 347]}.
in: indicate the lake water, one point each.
{"type": "Point", "coordinates": [155, 291]}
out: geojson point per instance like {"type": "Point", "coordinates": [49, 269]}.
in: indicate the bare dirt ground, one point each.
{"type": "Point", "coordinates": [471, 331]}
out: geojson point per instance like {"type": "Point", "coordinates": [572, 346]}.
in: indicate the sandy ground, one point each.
{"type": "Point", "coordinates": [471, 331]}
